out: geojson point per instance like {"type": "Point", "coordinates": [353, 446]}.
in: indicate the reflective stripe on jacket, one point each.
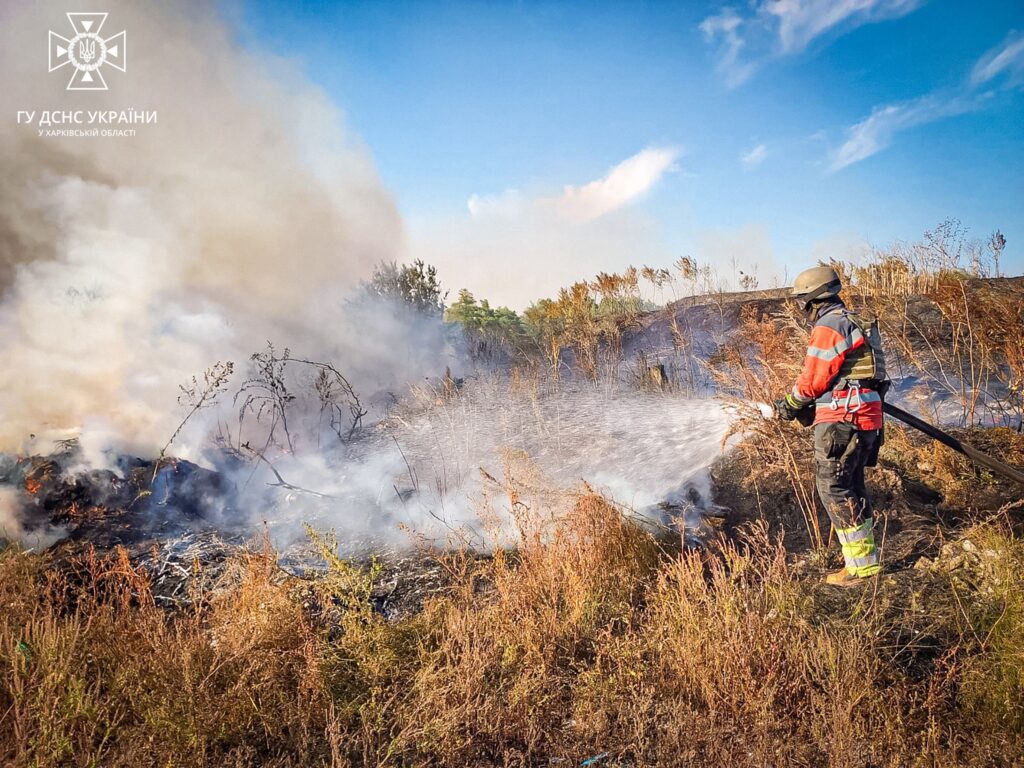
{"type": "Point", "coordinates": [836, 339]}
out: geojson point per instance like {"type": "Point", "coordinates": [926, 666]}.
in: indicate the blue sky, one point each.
{"type": "Point", "coordinates": [772, 132]}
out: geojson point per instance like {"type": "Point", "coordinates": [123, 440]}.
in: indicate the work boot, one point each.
{"type": "Point", "coordinates": [843, 578]}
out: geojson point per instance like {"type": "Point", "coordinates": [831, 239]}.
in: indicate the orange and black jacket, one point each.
{"type": "Point", "coordinates": [834, 338]}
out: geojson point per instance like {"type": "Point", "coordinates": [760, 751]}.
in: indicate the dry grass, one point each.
{"type": "Point", "coordinates": [590, 638]}
{"type": "Point", "coordinates": [499, 671]}
{"type": "Point", "coordinates": [943, 322]}
{"type": "Point", "coordinates": [96, 674]}
{"type": "Point", "coordinates": [759, 361]}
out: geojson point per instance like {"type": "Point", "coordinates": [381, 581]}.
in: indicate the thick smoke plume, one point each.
{"type": "Point", "coordinates": [128, 264]}
{"type": "Point", "coordinates": [246, 214]}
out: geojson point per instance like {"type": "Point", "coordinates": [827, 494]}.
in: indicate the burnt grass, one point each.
{"type": "Point", "coordinates": [174, 520]}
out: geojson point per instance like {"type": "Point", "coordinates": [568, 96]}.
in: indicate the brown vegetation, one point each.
{"type": "Point", "coordinates": [592, 637]}
{"type": "Point", "coordinates": [946, 320]}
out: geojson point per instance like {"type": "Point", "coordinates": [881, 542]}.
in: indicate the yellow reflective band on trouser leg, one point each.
{"type": "Point", "coordinates": [859, 550]}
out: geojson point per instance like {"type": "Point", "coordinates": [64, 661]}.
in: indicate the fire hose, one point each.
{"type": "Point", "coordinates": [968, 450]}
{"type": "Point", "coordinates": [960, 446]}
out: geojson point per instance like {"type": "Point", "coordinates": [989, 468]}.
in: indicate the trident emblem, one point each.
{"type": "Point", "coordinates": [87, 52]}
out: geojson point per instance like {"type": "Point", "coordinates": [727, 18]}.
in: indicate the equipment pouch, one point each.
{"type": "Point", "coordinates": [837, 438]}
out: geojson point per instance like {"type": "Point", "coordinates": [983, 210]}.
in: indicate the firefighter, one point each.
{"type": "Point", "coordinates": [841, 388]}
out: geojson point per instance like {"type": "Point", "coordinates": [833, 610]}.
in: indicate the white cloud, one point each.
{"type": "Point", "coordinates": [754, 157]}
{"type": "Point", "coordinates": [624, 183]}
{"type": "Point", "coordinates": [726, 25]}
{"type": "Point", "coordinates": [1007, 57]}
{"type": "Point", "coordinates": [513, 248]}
{"type": "Point", "coordinates": [877, 131]}
{"type": "Point", "coordinates": [628, 181]}
{"type": "Point", "coordinates": [779, 28]}
{"type": "Point", "coordinates": [801, 21]}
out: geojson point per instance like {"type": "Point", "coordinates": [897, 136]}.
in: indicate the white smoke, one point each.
{"type": "Point", "coordinates": [246, 213]}
{"type": "Point", "coordinates": [12, 529]}
{"type": "Point", "coordinates": [128, 264]}
{"type": "Point", "coordinates": [10, 523]}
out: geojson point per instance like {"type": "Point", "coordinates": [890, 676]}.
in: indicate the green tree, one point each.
{"type": "Point", "coordinates": [489, 331]}
{"type": "Point", "coordinates": [414, 284]}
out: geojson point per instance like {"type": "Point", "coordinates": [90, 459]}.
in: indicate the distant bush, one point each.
{"type": "Point", "coordinates": [589, 319]}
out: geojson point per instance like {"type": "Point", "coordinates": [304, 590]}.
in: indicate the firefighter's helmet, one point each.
{"type": "Point", "coordinates": [816, 283]}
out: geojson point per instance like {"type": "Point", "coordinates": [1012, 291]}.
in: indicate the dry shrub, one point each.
{"type": "Point", "coordinates": [99, 675]}
{"type": "Point", "coordinates": [590, 637]}
{"type": "Point", "coordinates": [729, 668]}
{"type": "Point", "coordinates": [497, 677]}
{"type": "Point", "coordinates": [945, 323]}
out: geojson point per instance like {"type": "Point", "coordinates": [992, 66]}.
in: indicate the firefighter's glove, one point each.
{"type": "Point", "coordinates": [787, 408]}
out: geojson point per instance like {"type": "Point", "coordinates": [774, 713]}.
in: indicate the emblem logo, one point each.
{"type": "Point", "coordinates": [87, 52]}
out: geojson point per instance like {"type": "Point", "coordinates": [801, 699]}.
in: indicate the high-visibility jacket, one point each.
{"type": "Point", "coordinates": [839, 352]}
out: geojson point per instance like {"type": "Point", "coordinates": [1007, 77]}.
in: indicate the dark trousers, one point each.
{"type": "Point", "coordinates": [841, 452]}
